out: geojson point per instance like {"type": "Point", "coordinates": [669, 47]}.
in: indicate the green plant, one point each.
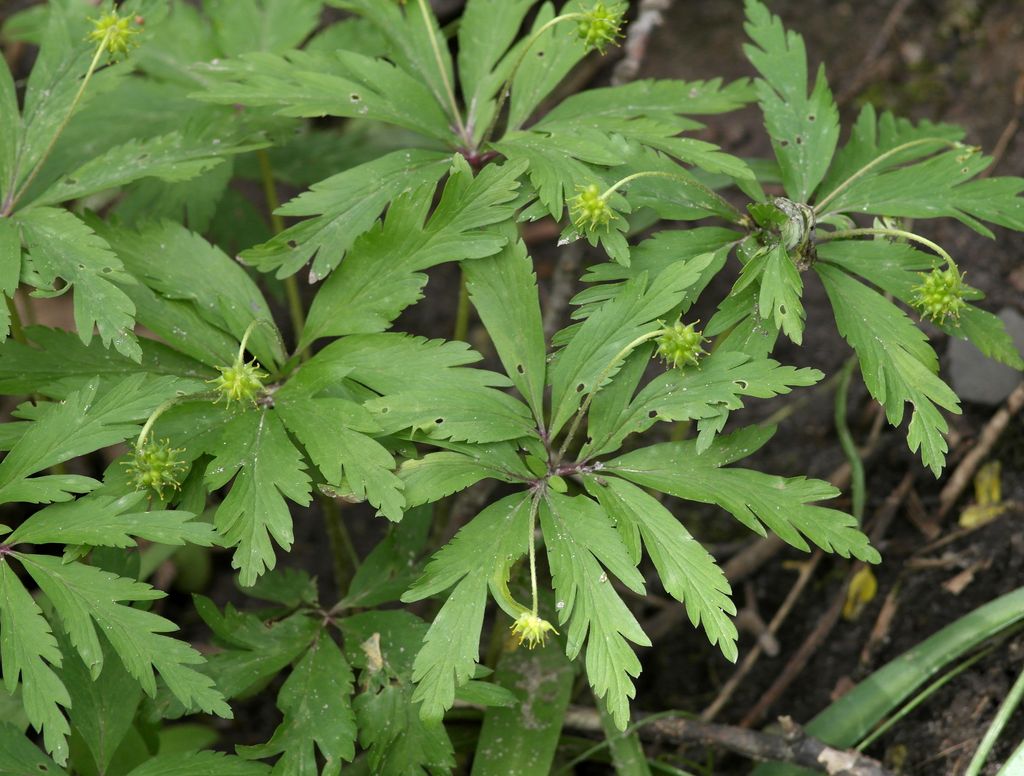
{"type": "Point", "coordinates": [237, 427]}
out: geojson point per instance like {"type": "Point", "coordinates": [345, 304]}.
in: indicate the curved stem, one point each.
{"type": "Point", "coordinates": [877, 161]}
{"type": "Point", "coordinates": [672, 176]}
{"type": "Point", "coordinates": [12, 200]}
{"type": "Point", "coordinates": [534, 505]}
{"type": "Point", "coordinates": [845, 234]}
{"type": "Point", "coordinates": [506, 86]}
{"type": "Point", "coordinates": [582, 411]}
{"type": "Point", "coordinates": [462, 310]}
{"type": "Point", "coordinates": [160, 410]}
{"type": "Point", "coordinates": [439, 60]}
{"type": "Point", "coordinates": [857, 480]}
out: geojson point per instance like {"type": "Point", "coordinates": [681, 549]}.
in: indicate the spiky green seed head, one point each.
{"type": "Point", "coordinates": [940, 296]}
{"type": "Point", "coordinates": [601, 25]}
{"type": "Point", "coordinates": [681, 345]}
{"type": "Point", "coordinates": [115, 32]}
{"type": "Point", "coordinates": [589, 210]}
{"type": "Point", "coordinates": [239, 382]}
{"type": "Point", "coordinates": [156, 466]}
{"type": "Point", "coordinates": [532, 630]}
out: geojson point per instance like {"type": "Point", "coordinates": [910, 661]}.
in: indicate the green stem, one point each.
{"type": "Point", "coordinates": [438, 59]}
{"type": "Point", "coordinates": [846, 234]}
{"type": "Point", "coordinates": [586, 755]}
{"type": "Point", "coordinates": [582, 411]}
{"type": "Point", "coordinates": [672, 176]}
{"type": "Point", "coordinates": [857, 481]}
{"type": "Point", "coordinates": [534, 505]}
{"type": "Point", "coordinates": [920, 698]}
{"type": "Point", "coordinates": [345, 559]}
{"type": "Point", "coordinates": [8, 207]}
{"type": "Point", "coordinates": [877, 161]}
{"type": "Point", "coordinates": [462, 310]}
{"type": "Point", "coordinates": [291, 286]}
{"type": "Point", "coordinates": [1006, 710]}
{"type": "Point", "coordinates": [506, 87]}
{"type": "Point", "coordinates": [160, 410]}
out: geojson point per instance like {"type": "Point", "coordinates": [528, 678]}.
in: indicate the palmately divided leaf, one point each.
{"type": "Point", "coordinates": [255, 450]}
{"type": "Point", "coordinates": [199, 764]}
{"type": "Point", "coordinates": [896, 362]}
{"type": "Point", "coordinates": [450, 649]}
{"type": "Point", "coordinates": [382, 273]}
{"type": "Point", "coordinates": [83, 594]}
{"type": "Point", "coordinates": [756, 499]}
{"type": "Point", "coordinates": [437, 475]}
{"type": "Point", "coordinates": [580, 540]}
{"type": "Point", "coordinates": [780, 293]}
{"type": "Point", "coordinates": [687, 571]}
{"type": "Point", "coordinates": [61, 246]}
{"type": "Point", "coordinates": [340, 208]}
{"type": "Point", "coordinates": [28, 650]}
{"type": "Point", "coordinates": [804, 129]}
{"type": "Point", "coordinates": [316, 702]}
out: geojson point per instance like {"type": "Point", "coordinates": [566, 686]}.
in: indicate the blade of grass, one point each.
{"type": "Point", "coordinates": [1006, 710]}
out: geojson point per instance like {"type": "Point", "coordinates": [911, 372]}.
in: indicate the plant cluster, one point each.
{"type": "Point", "coordinates": [453, 139]}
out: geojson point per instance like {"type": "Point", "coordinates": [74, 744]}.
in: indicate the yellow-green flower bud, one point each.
{"type": "Point", "coordinates": [532, 630]}
{"type": "Point", "coordinates": [681, 345]}
{"type": "Point", "coordinates": [601, 25]}
{"type": "Point", "coordinates": [940, 295]}
{"type": "Point", "coordinates": [240, 382]}
{"type": "Point", "coordinates": [115, 33]}
{"type": "Point", "coordinates": [155, 466]}
{"type": "Point", "coordinates": [589, 210]}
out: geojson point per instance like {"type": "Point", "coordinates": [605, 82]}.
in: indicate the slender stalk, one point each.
{"type": "Point", "coordinates": [534, 505]}
{"type": "Point", "coordinates": [877, 161]}
{"type": "Point", "coordinates": [857, 481]}
{"type": "Point", "coordinates": [462, 310]}
{"type": "Point", "coordinates": [588, 753]}
{"type": "Point", "coordinates": [1006, 710]}
{"type": "Point", "coordinates": [291, 285]}
{"type": "Point", "coordinates": [846, 234]}
{"type": "Point", "coordinates": [345, 559]}
{"type": "Point", "coordinates": [582, 411]}
{"type": "Point", "coordinates": [12, 200]}
{"type": "Point", "coordinates": [506, 87]}
{"type": "Point", "coordinates": [449, 91]}
{"type": "Point", "coordinates": [672, 176]}
{"type": "Point", "coordinates": [152, 419]}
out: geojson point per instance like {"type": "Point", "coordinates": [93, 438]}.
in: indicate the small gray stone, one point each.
{"type": "Point", "coordinates": [976, 377]}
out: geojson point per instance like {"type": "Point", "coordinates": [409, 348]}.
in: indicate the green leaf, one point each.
{"type": "Point", "coordinates": [781, 289]}
{"type": "Point", "coordinates": [28, 650]}
{"type": "Point", "coordinates": [199, 764]}
{"type": "Point", "coordinates": [255, 450]}
{"type": "Point", "coordinates": [382, 273]}
{"type": "Point", "coordinates": [253, 651]}
{"type": "Point", "coordinates": [804, 130]}
{"type": "Point", "coordinates": [521, 740]}
{"type": "Point", "coordinates": [227, 298]}
{"type": "Point", "coordinates": [10, 130]}
{"type": "Point", "coordinates": [754, 498]}
{"type": "Point", "coordinates": [344, 455]}
{"type": "Point", "coordinates": [59, 363]}
{"type": "Point", "coordinates": [896, 362]}
{"type": "Point", "coordinates": [701, 394]}
{"type": "Point", "coordinates": [83, 594]}
{"type": "Point", "coordinates": [102, 708]}
{"type": "Point", "coordinates": [103, 521]}
{"type": "Point", "coordinates": [606, 331]}
{"type": "Point", "coordinates": [62, 246]}
{"type": "Point", "coordinates": [19, 757]}
{"type": "Point", "coordinates": [687, 571]}
{"type": "Point", "coordinates": [78, 425]}
{"type": "Point", "coordinates": [580, 538]}
{"type": "Point", "coordinates": [10, 264]}
{"type": "Point", "coordinates": [450, 649]}
{"type": "Point", "coordinates": [315, 700]}
{"type": "Point", "coordinates": [398, 740]}
{"type": "Point", "coordinates": [437, 475]}
{"type": "Point", "coordinates": [339, 83]}
{"type": "Point", "coordinates": [262, 25]}
{"type": "Point", "coordinates": [342, 207]}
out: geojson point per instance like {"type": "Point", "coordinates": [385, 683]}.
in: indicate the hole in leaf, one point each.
{"type": "Point", "coordinates": [521, 369]}
{"type": "Point", "coordinates": [580, 387]}
{"type": "Point", "coordinates": [292, 244]}
{"type": "Point", "coordinates": [439, 421]}
{"type": "Point", "coordinates": [799, 140]}
{"type": "Point", "coordinates": [71, 181]}
{"type": "Point", "coordinates": [811, 117]}
{"type": "Point", "coordinates": [385, 410]}
{"type": "Point", "coordinates": [743, 384]}
{"type": "Point", "coordinates": [652, 414]}
{"type": "Point", "coordinates": [783, 143]}
{"type": "Point", "coordinates": [81, 266]}
{"type": "Point", "coordinates": [107, 270]}
{"type": "Point", "coordinates": [355, 97]}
